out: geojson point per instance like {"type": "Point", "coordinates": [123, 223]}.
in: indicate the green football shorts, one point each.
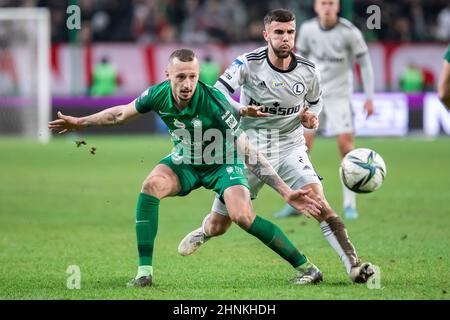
{"type": "Point", "coordinates": [217, 177]}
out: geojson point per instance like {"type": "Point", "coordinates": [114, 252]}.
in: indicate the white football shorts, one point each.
{"type": "Point", "coordinates": [293, 166]}
{"type": "Point", "coordinates": [336, 116]}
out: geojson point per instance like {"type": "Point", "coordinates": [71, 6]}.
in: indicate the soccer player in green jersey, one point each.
{"type": "Point", "coordinates": [191, 109]}
{"type": "Point", "coordinates": [444, 81]}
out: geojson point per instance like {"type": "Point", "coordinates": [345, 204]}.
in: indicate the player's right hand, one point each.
{"type": "Point", "coordinates": [309, 119]}
{"type": "Point", "coordinates": [306, 202]}
{"type": "Point", "coordinates": [65, 124]}
{"type": "Point", "coordinates": [252, 111]}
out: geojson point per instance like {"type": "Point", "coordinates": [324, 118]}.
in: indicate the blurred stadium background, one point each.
{"type": "Point", "coordinates": [61, 205]}
{"type": "Point", "coordinates": [134, 38]}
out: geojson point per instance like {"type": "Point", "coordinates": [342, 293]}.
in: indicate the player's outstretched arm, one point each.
{"type": "Point", "coordinates": [444, 84]}
{"type": "Point", "coordinates": [299, 199]}
{"type": "Point", "coordinates": [368, 82]}
{"type": "Point", "coordinates": [244, 111]}
{"type": "Point", "coordinates": [252, 111]}
{"type": "Point", "coordinates": [112, 116]}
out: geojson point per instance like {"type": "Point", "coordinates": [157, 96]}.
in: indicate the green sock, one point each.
{"type": "Point", "coordinates": [272, 236]}
{"type": "Point", "coordinates": [146, 227]}
{"type": "Point", "coordinates": [305, 266]}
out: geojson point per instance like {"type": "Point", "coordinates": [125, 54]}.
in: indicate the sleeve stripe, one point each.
{"type": "Point", "coordinates": [229, 88]}
{"type": "Point", "coordinates": [256, 59]}
{"type": "Point", "coordinates": [256, 54]}
{"type": "Point", "coordinates": [305, 61]}
{"type": "Point", "coordinates": [359, 55]}
{"type": "Point", "coordinates": [313, 102]}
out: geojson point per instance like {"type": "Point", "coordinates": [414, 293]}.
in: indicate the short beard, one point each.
{"type": "Point", "coordinates": [281, 54]}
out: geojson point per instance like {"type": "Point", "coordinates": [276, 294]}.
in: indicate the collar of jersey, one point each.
{"type": "Point", "coordinates": [190, 109]}
{"type": "Point", "coordinates": [291, 67]}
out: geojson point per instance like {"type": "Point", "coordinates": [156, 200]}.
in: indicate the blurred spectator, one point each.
{"type": "Point", "coordinates": [8, 74]}
{"type": "Point", "coordinates": [417, 19]}
{"type": "Point", "coordinates": [209, 71]}
{"type": "Point", "coordinates": [105, 79]}
{"type": "Point", "coordinates": [402, 30]}
{"type": "Point", "coordinates": [444, 80]}
{"type": "Point", "coordinates": [231, 21]}
{"type": "Point", "coordinates": [236, 18]}
{"type": "Point", "coordinates": [428, 79]}
{"type": "Point", "coordinates": [191, 31]}
{"type": "Point", "coordinates": [255, 31]}
{"type": "Point", "coordinates": [411, 79]}
{"type": "Point", "coordinates": [214, 21]}
{"type": "Point", "coordinates": [443, 26]}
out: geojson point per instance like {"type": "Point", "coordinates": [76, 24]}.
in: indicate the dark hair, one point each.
{"type": "Point", "coordinates": [279, 15]}
{"type": "Point", "coordinates": [184, 55]}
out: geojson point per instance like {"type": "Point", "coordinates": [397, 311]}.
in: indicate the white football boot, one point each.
{"type": "Point", "coordinates": [193, 240]}
{"type": "Point", "coordinates": [362, 272]}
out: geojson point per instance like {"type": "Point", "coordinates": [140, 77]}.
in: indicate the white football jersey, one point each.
{"type": "Point", "coordinates": [333, 51]}
{"type": "Point", "coordinates": [282, 93]}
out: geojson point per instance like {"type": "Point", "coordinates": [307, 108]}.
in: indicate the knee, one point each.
{"type": "Point", "coordinates": [244, 219]}
{"type": "Point", "coordinates": [155, 186]}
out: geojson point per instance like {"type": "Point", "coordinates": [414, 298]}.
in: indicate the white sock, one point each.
{"type": "Point", "coordinates": [144, 271]}
{"type": "Point", "coordinates": [349, 197]}
{"type": "Point", "coordinates": [334, 243]}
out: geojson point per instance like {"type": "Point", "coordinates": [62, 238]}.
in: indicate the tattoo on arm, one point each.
{"type": "Point", "coordinates": [259, 166]}
{"type": "Point", "coordinates": [108, 117]}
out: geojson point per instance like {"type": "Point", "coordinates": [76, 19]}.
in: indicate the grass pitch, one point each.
{"type": "Point", "coordinates": [61, 205]}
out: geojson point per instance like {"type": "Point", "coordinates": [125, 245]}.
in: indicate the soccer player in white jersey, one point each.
{"type": "Point", "coordinates": [280, 82]}
{"type": "Point", "coordinates": [333, 43]}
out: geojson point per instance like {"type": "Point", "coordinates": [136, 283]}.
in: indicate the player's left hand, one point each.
{"type": "Point", "coordinates": [368, 107]}
{"type": "Point", "coordinates": [309, 119]}
{"type": "Point", "coordinates": [304, 201]}
{"type": "Point", "coordinates": [65, 124]}
{"type": "Point", "coordinates": [252, 111]}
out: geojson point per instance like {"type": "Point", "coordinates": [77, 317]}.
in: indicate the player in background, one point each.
{"type": "Point", "coordinates": [280, 82]}
{"type": "Point", "coordinates": [333, 43]}
{"type": "Point", "coordinates": [444, 81]}
{"type": "Point", "coordinates": [191, 108]}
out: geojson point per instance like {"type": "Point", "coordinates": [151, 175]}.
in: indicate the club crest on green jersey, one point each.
{"type": "Point", "coordinates": [231, 121]}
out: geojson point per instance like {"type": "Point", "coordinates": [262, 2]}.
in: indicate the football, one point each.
{"type": "Point", "coordinates": [362, 170]}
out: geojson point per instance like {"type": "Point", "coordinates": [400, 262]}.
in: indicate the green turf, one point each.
{"type": "Point", "coordinates": [61, 206]}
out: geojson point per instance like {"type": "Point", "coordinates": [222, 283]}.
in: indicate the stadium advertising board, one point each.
{"type": "Point", "coordinates": [435, 116]}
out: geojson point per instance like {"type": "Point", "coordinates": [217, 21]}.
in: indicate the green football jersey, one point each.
{"type": "Point", "coordinates": [447, 54]}
{"type": "Point", "coordinates": [204, 132]}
